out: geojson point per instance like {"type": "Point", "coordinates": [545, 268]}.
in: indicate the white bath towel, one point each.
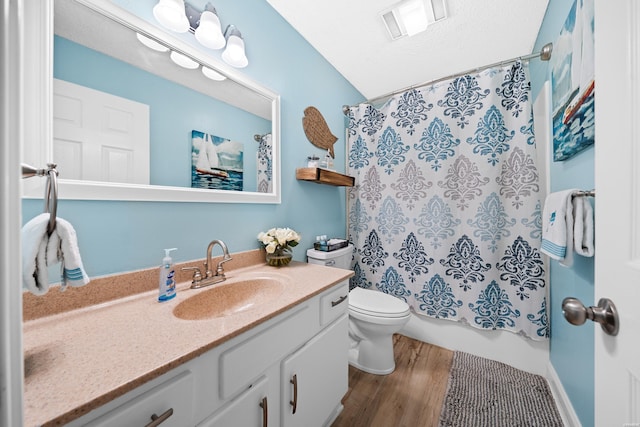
{"type": "Point", "coordinates": [557, 227]}
{"type": "Point", "coordinates": [34, 255]}
{"type": "Point", "coordinates": [583, 226]}
{"type": "Point", "coordinates": [40, 251]}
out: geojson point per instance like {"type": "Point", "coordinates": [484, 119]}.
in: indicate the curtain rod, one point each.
{"type": "Point", "coordinates": [544, 54]}
{"type": "Point", "coordinates": [259, 137]}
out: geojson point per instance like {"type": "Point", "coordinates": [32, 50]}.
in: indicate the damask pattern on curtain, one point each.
{"type": "Point", "coordinates": [264, 162]}
{"type": "Point", "coordinates": [446, 212]}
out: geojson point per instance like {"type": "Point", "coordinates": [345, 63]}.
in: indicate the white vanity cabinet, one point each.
{"type": "Point", "coordinates": [299, 360]}
{"type": "Point", "coordinates": [298, 356]}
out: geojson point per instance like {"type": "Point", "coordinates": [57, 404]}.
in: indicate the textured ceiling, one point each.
{"type": "Point", "coordinates": [352, 37]}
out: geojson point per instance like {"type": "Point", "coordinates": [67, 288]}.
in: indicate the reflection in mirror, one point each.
{"type": "Point", "coordinates": [126, 115]}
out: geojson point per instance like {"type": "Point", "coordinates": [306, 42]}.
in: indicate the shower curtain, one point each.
{"type": "Point", "coordinates": [264, 162]}
{"type": "Point", "coordinates": [446, 213]}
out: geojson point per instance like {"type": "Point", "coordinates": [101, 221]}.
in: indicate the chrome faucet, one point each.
{"type": "Point", "coordinates": [211, 277]}
{"type": "Point", "coordinates": [207, 264]}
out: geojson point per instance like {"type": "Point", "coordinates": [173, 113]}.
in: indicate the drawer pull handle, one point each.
{"type": "Point", "coordinates": [265, 411]}
{"type": "Point", "coordinates": [157, 420]}
{"type": "Point", "coordinates": [339, 300]}
{"type": "Point", "coordinates": [294, 402]}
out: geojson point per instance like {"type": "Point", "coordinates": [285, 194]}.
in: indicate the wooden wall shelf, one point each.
{"type": "Point", "coordinates": [325, 176]}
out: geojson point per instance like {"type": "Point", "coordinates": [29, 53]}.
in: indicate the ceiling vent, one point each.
{"type": "Point", "coordinates": [410, 17]}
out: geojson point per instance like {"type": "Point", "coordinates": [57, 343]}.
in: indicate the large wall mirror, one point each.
{"type": "Point", "coordinates": [125, 122]}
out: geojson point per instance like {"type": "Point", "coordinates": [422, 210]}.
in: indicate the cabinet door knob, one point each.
{"type": "Point", "coordinates": [157, 420]}
{"type": "Point", "coordinates": [265, 411]}
{"type": "Point", "coordinates": [294, 402]}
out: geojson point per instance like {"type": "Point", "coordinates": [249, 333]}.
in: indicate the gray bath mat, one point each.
{"type": "Point", "coordinates": [486, 393]}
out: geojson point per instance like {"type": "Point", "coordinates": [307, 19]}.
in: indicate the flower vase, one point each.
{"type": "Point", "coordinates": [280, 257]}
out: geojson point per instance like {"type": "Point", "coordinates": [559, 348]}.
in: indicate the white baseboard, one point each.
{"type": "Point", "coordinates": [568, 414]}
{"type": "Point", "coordinates": [503, 346]}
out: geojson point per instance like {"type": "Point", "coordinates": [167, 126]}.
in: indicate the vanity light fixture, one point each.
{"type": "Point", "coordinates": [234, 54]}
{"type": "Point", "coordinates": [213, 75]}
{"type": "Point", "coordinates": [151, 44]}
{"type": "Point", "coordinates": [181, 16]}
{"type": "Point", "coordinates": [183, 60]}
{"type": "Point", "coordinates": [171, 14]}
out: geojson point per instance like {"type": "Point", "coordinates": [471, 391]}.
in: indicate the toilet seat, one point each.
{"type": "Point", "coordinates": [376, 304]}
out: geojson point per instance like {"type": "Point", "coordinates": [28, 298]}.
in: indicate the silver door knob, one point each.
{"type": "Point", "coordinates": [604, 313]}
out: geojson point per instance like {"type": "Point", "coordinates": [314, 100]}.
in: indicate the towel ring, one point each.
{"type": "Point", "coordinates": [584, 193]}
{"type": "Point", "coordinates": [51, 197]}
{"type": "Point", "coordinates": [50, 191]}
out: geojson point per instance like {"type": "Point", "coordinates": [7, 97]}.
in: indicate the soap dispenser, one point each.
{"type": "Point", "coordinates": [167, 283]}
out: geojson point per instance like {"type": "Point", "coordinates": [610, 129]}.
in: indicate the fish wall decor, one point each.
{"type": "Point", "coordinates": [317, 130]}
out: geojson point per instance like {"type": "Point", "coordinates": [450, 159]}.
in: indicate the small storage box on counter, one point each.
{"type": "Point", "coordinates": [330, 245]}
{"type": "Point", "coordinates": [339, 258]}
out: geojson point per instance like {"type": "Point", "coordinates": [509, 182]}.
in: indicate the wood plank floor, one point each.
{"type": "Point", "coordinates": [412, 395]}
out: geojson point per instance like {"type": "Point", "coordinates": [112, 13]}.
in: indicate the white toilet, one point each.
{"type": "Point", "coordinates": [373, 318]}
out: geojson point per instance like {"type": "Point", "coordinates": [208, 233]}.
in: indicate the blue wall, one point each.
{"type": "Point", "coordinates": [123, 236]}
{"type": "Point", "coordinates": [571, 347]}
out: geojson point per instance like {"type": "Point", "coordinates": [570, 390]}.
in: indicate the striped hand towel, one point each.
{"type": "Point", "coordinates": [63, 248]}
{"type": "Point", "coordinates": [557, 227]}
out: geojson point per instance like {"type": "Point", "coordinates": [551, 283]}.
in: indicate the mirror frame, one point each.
{"type": "Point", "coordinates": [38, 106]}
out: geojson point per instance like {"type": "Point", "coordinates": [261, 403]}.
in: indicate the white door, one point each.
{"type": "Point", "coordinates": [98, 136]}
{"type": "Point", "coordinates": [617, 171]}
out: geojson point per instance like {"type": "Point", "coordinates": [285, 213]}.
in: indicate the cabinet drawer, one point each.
{"type": "Point", "coordinates": [334, 303]}
{"type": "Point", "coordinates": [246, 361]}
{"type": "Point", "coordinates": [175, 395]}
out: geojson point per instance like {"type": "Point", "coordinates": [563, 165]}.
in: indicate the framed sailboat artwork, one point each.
{"type": "Point", "coordinates": [573, 84]}
{"type": "Point", "coordinates": [216, 163]}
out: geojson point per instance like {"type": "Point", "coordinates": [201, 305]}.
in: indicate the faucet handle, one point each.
{"type": "Point", "coordinates": [219, 269]}
{"type": "Point", "coordinates": [197, 275]}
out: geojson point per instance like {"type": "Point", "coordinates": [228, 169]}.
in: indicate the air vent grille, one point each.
{"type": "Point", "coordinates": [392, 25]}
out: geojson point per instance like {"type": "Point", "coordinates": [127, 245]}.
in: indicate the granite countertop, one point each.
{"type": "Point", "coordinates": [78, 360]}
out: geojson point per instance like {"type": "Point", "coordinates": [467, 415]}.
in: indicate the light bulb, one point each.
{"type": "Point", "coordinates": [213, 75]}
{"type": "Point", "coordinates": [151, 44]}
{"type": "Point", "coordinates": [183, 61]}
{"type": "Point", "coordinates": [208, 32]}
{"type": "Point", "coordinates": [234, 54]}
{"type": "Point", "coordinates": [171, 14]}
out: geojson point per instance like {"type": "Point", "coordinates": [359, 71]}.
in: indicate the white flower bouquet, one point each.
{"type": "Point", "coordinates": [277, 243]}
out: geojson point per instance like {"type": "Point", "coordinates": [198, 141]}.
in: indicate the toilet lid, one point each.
{"type": "Point", "coordinates": [376, 303]}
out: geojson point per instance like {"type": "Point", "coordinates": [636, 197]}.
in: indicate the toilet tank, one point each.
{"type": "Point", "coordinates": [340, 258]}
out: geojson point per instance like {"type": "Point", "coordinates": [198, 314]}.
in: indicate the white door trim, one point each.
{"type": "Point", "coordinates": [12, 79]}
